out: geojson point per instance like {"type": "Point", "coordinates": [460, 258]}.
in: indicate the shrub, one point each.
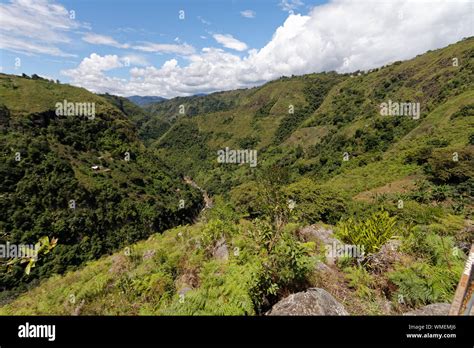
{"type": "Point", "coordinates": [224, 290]}
{"type": "Point", "coordinates": [464, 111]}
{"type": "Point", "coordinates": [360, 280]}
{"type": "Point", "coordinates": [444, 169]}
{"type": "Point", "coordinates": [422, 283]}
{"type": "Point", "coordinates": [246, 199]}
{"type": "Point", "coordinates": [282, 263]}
{"type": "Point", "coordinates": [315, 203]}
{"type": "Point", "coordinates": [433, 278]}
{"type": "Point", "coordinates": [215, 230]}
{"type": "Point", "coordinates": [425, 244]}
{"type": "Point", "coordinates": [371, 233]}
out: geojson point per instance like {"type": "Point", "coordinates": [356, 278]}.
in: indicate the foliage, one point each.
{"type": "Point", "coordinates": [300, 158]}
{"type": "Point", "coordinates": [31, 256]}
{"type": "Point", "coordinates": [360, 279]}
{"type": "Point", "coordinates": [371, 233]}
{"type": "Point", "coordinates": [315, 91]}
{"type": "Point", "coordinates": [434, 277]}
{"type": "Point", "coordinates": [453, 166]}
{"type": "Point", "coordinates": [314, 203]}
{"type": "Point", "coordinates": [216, 230]}
{"type": "Point", "coordinates": [223, 291]}
{"type": "Point", "coordinates": [283, 262]}
{"type": "Point", "coordinates": [422, 283]}
{"type": "Point", "coordinates": [49, 187]}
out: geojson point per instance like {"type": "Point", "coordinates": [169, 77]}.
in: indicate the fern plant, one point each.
{"type": "Point", "coordinates": [422, 283]}
{"type": "Point", "coordinates": [360, 279]}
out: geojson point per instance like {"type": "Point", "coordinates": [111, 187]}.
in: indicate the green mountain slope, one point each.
{"type": "Point", "coordinates": [88, 182]}
{"type": "Point", "coordinates": [333, 115]}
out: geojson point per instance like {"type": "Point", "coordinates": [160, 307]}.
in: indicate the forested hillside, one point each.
{"type": "Point", "coordinates": [90, 183]}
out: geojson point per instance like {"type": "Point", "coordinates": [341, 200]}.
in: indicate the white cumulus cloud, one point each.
{"type": "Point", "coordinates": [182, 49]}
{"type": "Point", "coordinates": [229, 41]}
{"type": "Point", "coordinates": [90, 73]}
{"type": "Point", "coordinates": [248, 14]}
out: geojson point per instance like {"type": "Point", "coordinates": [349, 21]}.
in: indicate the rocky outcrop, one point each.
{"type": "Point", "coordinates": [329, 244]}
{"type": "Point", "coordinates": [432, 309]}
{"type": "Point", "coordinates": [387, 256]}
{"type": "Point", "coordinates": [322, 234]}
{"type": "Point", "coordinates": [314, 301]}
{"type": "Point", "coordinates": [220, 251]}
{"type": "Point", "coordinates": [325, 237]}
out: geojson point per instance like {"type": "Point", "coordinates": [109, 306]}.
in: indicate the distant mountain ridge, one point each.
{"type": "Point", "coordinates": [145, 100]}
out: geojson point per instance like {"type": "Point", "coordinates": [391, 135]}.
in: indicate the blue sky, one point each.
{"type": "Point", "coordinates": [143, 47]}
{"type": "Point", "coordinates": [140, 21]}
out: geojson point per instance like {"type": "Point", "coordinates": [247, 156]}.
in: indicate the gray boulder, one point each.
{"type": "Point", "coordinates": [314, 301]}
{"type": "Point", "coordinates": [387, 256]}
{"type": "Point", "coordinates": [320, 233]}
{"type": "Point", "coordinates": [220, 250]}
{"type": "Point", "coordinates": [325, 237]}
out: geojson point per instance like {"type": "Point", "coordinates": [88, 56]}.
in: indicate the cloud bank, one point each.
{"type": "Point", "coordinates": [342, 35]}
{"type": "Point", "coordinates": [35, 27]}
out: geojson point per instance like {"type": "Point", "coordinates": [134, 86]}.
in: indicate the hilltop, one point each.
{"type": "Point", "coordinates": [144, 100]}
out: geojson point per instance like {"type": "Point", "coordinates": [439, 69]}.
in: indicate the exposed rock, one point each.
{"type": "Point", "coordinates": [386, 306]}
{"type": "Point", "coordinates": [314, 301]}
{"type": "Point", "coordinates": [432, 309]}
{"type": "Point", "coordinates": [333, 247]}
{"type": "Point", "coordinates": [320, 266]}
{"type": "Point", "coordinates": [388, 255]}
{"type": "Point", "coordinates": [120, 264]}
{"type": "Point", "coordinates": [149, 254]}
{"type": "Point", "coordinates": [220, 250]}
{"type": "Point", "coordinates": [325, 237]}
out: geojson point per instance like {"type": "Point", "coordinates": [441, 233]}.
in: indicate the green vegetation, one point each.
{"type": "Point", "coordinates": [371, 233]}
{"type": "Point", "coordinates": [90, 183]}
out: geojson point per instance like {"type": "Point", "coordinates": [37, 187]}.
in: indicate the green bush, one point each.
{"type": "Point", "coordinates": [282, 263]}
{"type": "Point", "coordinates": [421, 283]}
{"type": "Point", "coordinates": [371, 233]}
{"type": "Point", "coordinates": [360, 279]}
{"type": "Point", "coordinates": [434, 277]}
{"type": "Point", "coordinates": [442, 167]}
{"type": "Point", "coordinates": [423, 243]}
{"type": "Point", "coordinates": [315, 203]}
{"type": "Point", "coordinates": [247, 200]}
{"type": "Point", "coordinates": [214, 231]}
{"type": "Point", "coordinates": [224, 290]}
